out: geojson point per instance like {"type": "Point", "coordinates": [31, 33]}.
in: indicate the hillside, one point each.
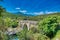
{"type": "Point", "coordinates": [41, 17]}
{"type": "Point", "coordinates": [13, 16]}
{"type": "Point", "coordinates": [25, 16]}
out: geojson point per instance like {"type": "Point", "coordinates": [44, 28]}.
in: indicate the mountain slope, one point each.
{"type": "Point", "coordinates": [11, 15]}
{"type": "Point", "coordinates": [41, 17]}
{"type": "Point", "coordinates": [22, 16]}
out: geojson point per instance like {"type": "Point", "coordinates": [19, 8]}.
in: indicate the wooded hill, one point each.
{"type": "Point", "coordinates": [22, 16]}
{"type": "Point", "coordinates": [13, 16]}
{"type": "Point", "coordinates": [41, 17]}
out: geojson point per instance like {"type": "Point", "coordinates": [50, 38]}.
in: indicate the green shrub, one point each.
{"type": "Point", "coordinates": [57, 35]}
{"type": "Point", "coordinates": [48, 26]}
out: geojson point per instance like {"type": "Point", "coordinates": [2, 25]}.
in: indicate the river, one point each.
{"type": "Point", "coordinates": [13, 37]}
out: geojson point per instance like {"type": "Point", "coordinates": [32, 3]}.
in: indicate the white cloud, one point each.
{"type": "Point", "coordinates": [38, 13]}
{"type": "Point", "coordinates": [42, 12]}
{"type": "Point", "coordinates": [50, 12]}
{"type": "Point", "coordinates": [17, 8]}
{"type": "Point", "coordinates": [23, 11]}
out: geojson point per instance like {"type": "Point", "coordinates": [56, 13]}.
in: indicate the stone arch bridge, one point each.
{"type": "Point", "coordinates": [28, 23]}
{"type": "Point", "coordinates": [21, 25]}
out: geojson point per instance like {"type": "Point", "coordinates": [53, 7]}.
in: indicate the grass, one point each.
{"type": "Point", "coordinates": [57, 37]}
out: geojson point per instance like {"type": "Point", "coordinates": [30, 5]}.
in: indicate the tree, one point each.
{"type": "Point", "coordinates": [7, 22]}
{"type": "Point", "coordinates": [14, 23]}
{"type": "Point", "coordinates": [10, 22]}
{"type": "Point", "coordinates": [48, 26]}
{"type": "Point", "coordinates": [2, 10]}
{"type": "Point", "coordinates": [1, 19]}
{"type": "Point", "coordinates": [57, 36]}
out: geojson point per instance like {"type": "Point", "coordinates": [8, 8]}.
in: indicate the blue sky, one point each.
{"type": "Point", "coordinates": [32, 6]}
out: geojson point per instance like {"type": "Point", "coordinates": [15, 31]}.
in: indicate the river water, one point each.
{"type": "Point", "coordinates": [13, 37]}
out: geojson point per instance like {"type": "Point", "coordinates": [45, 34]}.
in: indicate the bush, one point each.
{"type": "Point", "coordinates": [38, 36]}
{"type": "Point", "coordinates": [57, 35]}
{"type": "Point", "coordinates": [48, 26]}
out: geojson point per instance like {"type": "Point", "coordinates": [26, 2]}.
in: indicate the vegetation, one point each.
{"type": "Point", "coordinates": [5, 22]}
{"type": "Point", "coordinates": [41, 17]}
{"type": "Point", "coordinates": [47, 29]}
{"type": "Point", "coordinates": [57, 36]}
{"type": "Point", "coordinates": [48, 26]}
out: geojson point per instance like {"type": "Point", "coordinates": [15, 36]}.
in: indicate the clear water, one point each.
{"type": "Point", "coordinates": [13, 37]}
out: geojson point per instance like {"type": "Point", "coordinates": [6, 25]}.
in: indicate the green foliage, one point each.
{"type": "Point", "coordinates": [30, 35]}
{"type": "Point", "coordinates": [25, 27]}
{"type": "Point", "coordinates": [2, 25]}
{"type": "Point", "coordinates": [10, 22]}
{"type": "Point", "coordinates": [1, 10]}
{"type": "Point", "coordinates": [41, 17]}
{"type": "Point", "coordinates": [34, 30]}
{"type": "Point", "coordinates": [23, 34]}
{"type": "Point", "coordinates": [57, 35]}
{"type": "Point", "coordinates": [7, 22]}
{"type": "Point", "coordinates": [14, 23]}
{"type": "Point", "coordinates": [3, 36]}
{"type": "Point", "coordinates": [48, 25]}
{"type": "Point", "coordinates": [38, 36]}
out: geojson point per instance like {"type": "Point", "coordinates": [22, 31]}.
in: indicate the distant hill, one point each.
{"type": "Point", "coordinates": [41, 17]}
{"type": "Point", "coordinates": [19, 13]}
{"type": "Point", "coordinates": [22, 16]}
{"type": "Point", "coordinates": [13, 15]}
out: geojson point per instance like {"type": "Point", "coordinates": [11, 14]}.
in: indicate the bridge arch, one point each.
{"type": "Point", "coordinates": [25, 26]}
{"type": "Point", "coordinates": [28, 23]}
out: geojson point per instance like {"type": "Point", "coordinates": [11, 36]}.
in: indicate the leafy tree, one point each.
{"type": "Point", "coordinates": [7, 22]}
{"type": "Point", "coordinates": [10, 22]}
{"type": "Point", "coordinates": [48, 26]}
{"type": "Point", "coordinates": [57, 36]}
{"type": "Point", "coordinates": [14, 23]}
{"type": "Point", "coordinates": [1, 18]}
{"type": "Point", "coordinates": [2, 10]}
